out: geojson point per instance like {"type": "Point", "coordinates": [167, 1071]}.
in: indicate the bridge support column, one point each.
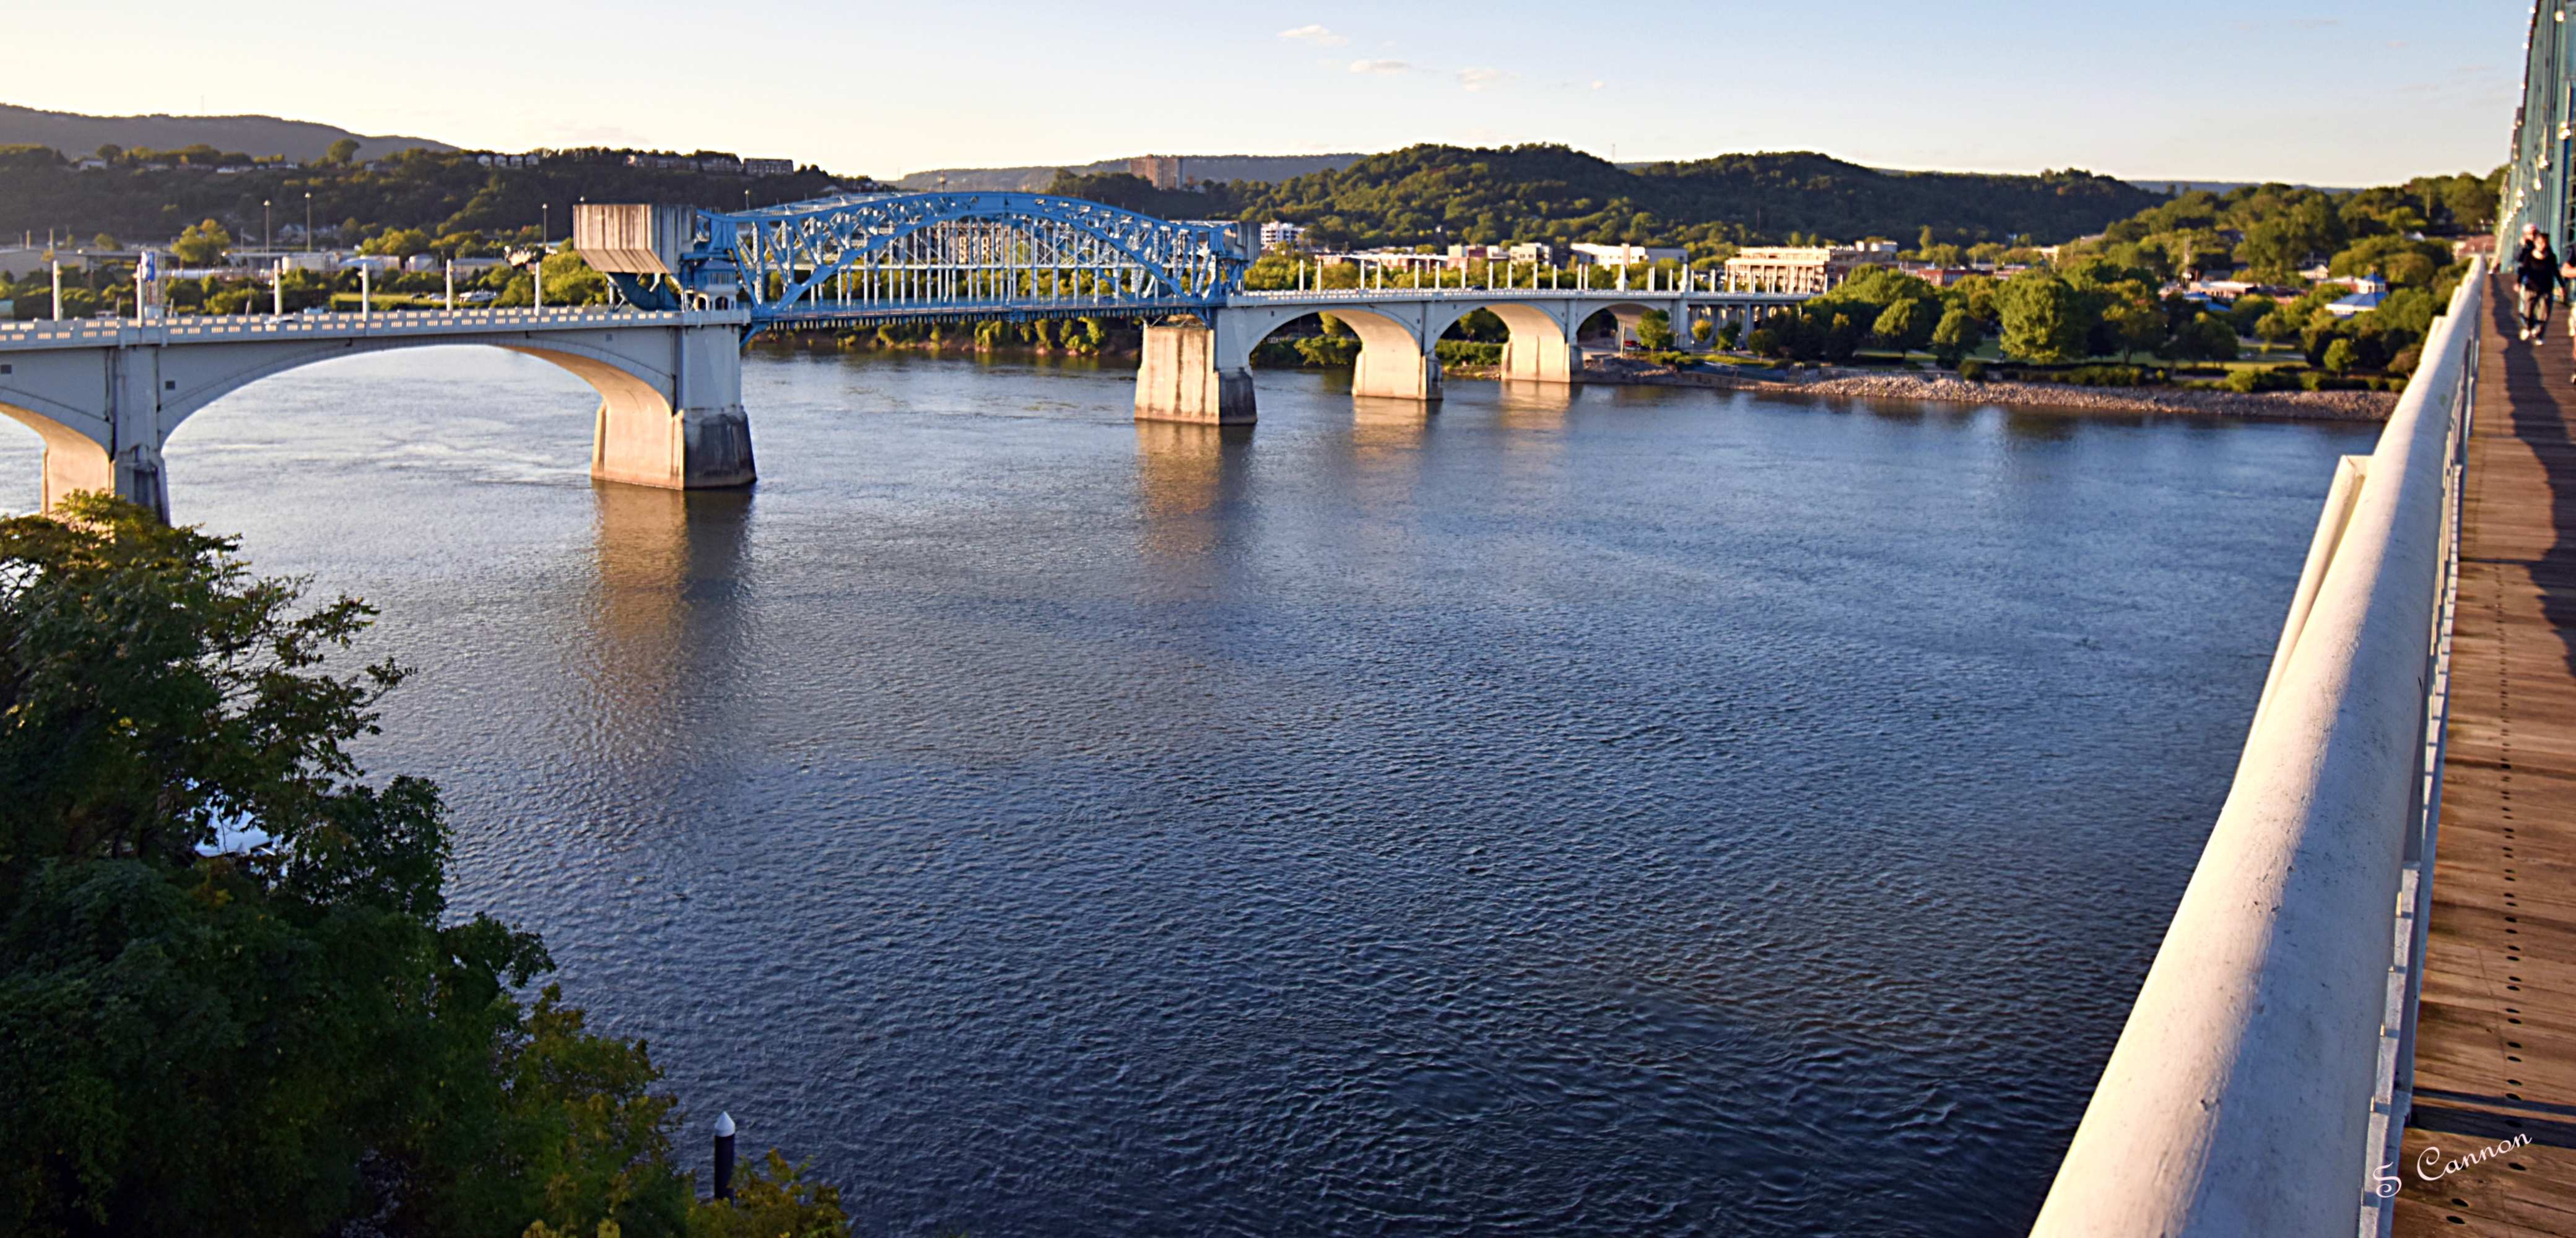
{"type": "Point", "coordinates": [1185, 375]}
{"type": "Point", "coordinates": [1541, 355]}
{"type": "Point", "coordinates": [694, 437]}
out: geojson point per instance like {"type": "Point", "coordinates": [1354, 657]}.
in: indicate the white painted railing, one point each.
{"type": "Point", "coordinates": [2263, 1078]}
{"type": "Point", "coordinates": [186, 328]}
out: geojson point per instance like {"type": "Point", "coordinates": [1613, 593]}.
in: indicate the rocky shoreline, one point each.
{"type": "Point", "coordinates": [1948, 389]}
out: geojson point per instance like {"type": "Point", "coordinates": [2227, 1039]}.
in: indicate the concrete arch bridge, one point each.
{"type": "Point", "coordinates": [696, 285]}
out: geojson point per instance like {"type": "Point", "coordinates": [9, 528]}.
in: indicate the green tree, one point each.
{"type": "Point", "coordinates": [2133, 328]}
{"type": "Point", "coordinates": [343, 151]}
{"type": "Point", "coordinates": [233, 998]}
{"type": "Point", "coordinates": [398, 242]}
{"type": "Point", "coordinates": [2045, 318]}
{"type": "Point", "coordinates": [1655, 331]}
{"type": "Point", "coordinates": [2340, 356]}
{"type": "Point", "coordinates": [202, 245]}
{"type": "Point", "coordinates": [1958, 334]}
{"type": "Point", "coordinates": [1907, 325]}
{"type": "Point", "coordinates": [773, 1200]}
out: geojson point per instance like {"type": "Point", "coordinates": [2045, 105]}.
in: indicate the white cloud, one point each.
{"type": "Point", "coordinates": [1388, 67]}
{"type": "Point", "coordinates": [1316, 35]}
{"type": "Point", "coordinates": [1484, 79]}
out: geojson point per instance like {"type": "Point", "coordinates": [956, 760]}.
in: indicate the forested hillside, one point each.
{"type": "Point", "coordinates": [441, 193]}
{"type": "Point", "coordinates": [1431, 194]}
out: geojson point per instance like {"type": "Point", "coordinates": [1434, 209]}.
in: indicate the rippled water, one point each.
{"type": "Point", "coordinates": [1655, 812]}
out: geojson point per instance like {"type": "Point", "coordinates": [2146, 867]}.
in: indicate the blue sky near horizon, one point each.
{"type": "Point", "coordinates": [2342, 94]}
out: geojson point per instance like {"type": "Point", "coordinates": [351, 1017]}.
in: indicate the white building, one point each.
{"type": "Point", "coordinates": [1802, 268]}
{"type": "Point", "coordinates": [1587, 254]}
{"type": "Point", "coordinates": [1280, 234]}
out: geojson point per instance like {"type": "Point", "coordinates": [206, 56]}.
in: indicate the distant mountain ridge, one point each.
{"type": "Point", "coordinates": [76, 134]}
{"type": "Point", "coordinates": [1268, 169]}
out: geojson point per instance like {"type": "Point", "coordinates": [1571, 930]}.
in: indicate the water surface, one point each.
{"type": "Point", "coordinates": [1640, 812]}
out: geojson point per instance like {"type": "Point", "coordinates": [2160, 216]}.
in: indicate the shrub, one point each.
{"type": "Point", "coordinates": [1329, 350]}
{"type": "Point", "coordinates": [1973, 370]}
{"type": "Point", "coordinates": [2262, 378]}
{"type": "Point", "coordinates": [1468, 352]}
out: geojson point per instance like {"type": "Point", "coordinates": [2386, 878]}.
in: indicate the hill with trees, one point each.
{"type": "Point", "coordinates": [1435, 194]}
{"type": "Point", "coordinates": [144, 197]}
{"type": "Point", "coordinates": [259, 135]}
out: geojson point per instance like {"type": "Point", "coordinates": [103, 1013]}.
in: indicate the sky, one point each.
{"type": "Point", "coordinates": [2343, 94]}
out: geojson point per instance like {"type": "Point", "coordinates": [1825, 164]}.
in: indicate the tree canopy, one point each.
{"type": "Point", "coordinates": [233, 998]}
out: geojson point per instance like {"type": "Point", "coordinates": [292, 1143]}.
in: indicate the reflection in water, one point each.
{"type": "Point", "coordinates": [667, 564]}
{"type": "Point", "coordinates": [1534, 406]}
{"type": "Point", "coordinates": [1187, 481]}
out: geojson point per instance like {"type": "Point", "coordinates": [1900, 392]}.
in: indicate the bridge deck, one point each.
{"type": "Point", "coordinates": [2496, 1054]}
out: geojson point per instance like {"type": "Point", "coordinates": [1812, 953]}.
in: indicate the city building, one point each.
{"type": "Point", "coordinates": [1802, 268]}
{"type": "Point", "coordinates": [1538, 253]}
{"type": "Point", "coordinates": [1584, 253]}
{"type": "Point", "coordinates": [768, 167]}
{"type": "Point", "coordinates": [1280, 234]}
{"type": "Point", "coordinates": [1163, 171]}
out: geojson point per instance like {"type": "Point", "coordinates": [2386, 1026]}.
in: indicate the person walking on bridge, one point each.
{"type": "Point", "coordinates": [2535, 274]}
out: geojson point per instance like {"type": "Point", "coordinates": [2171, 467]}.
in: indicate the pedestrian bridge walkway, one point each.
{"type": "Point", "coordinates": [2495, 1055]}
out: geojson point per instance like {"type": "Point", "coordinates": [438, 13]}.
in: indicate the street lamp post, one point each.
{"type": "Point", "coordinates": [263, 225]}
{"type": "Point", "coordinates": [308, 221]}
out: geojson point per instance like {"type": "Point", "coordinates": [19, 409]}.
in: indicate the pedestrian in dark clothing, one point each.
{"type": "Point", "coordinates": [2535, 273]}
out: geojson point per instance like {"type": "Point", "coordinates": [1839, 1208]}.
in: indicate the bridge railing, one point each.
{"type": "Point", "coordinates": [182, 328]}
{"type": "Point", "coordinates": [2262, 1081]}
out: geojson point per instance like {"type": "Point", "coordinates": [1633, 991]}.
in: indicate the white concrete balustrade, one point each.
{"type": "Point", "coordinates": [2261, 1083]}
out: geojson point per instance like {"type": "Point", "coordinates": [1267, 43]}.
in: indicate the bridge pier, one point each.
{"type": "Point", "coordinates": [696, 436]}
{"type": "Point", "coordinates": [1187, 373]}
{"type": "Point", "coordinates": [1540, 348]}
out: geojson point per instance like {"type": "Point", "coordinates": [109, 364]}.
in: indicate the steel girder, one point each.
{"type": "Point", "coordinates": [929, 252]}
{"type": "Point", "coordinates": [2537, 190]}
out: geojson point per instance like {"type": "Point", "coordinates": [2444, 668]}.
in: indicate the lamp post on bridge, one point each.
{"type": "Point", "coordinates": [308, 221]}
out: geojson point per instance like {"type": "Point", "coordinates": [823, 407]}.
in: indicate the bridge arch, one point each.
{"type": "Point", "coordinates": [1540, 347]}
{"type": "Point", "coordinates": [670, 389]}
{"type": "Point", "coordinates": [78, 445]}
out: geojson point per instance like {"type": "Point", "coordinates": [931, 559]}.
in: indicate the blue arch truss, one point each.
{"type": "Point", "coordinates": [893, 257]}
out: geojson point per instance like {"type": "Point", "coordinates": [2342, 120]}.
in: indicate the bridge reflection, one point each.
{"type": "Point", "coordinates": [658, 647]}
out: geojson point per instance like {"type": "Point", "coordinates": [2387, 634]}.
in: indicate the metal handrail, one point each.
{"type": "Point", "coordinates": [2256, 1085]}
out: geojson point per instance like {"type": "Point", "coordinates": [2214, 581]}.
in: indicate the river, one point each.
{"type": "Point", "coordinates": [1643, 811]}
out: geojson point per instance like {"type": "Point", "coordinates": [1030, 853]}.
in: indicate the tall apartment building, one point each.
{"type": "Point", "coordinates": [1164, 171]}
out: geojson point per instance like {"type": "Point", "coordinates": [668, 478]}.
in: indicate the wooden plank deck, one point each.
{"type": "Point", "coordinates": [2496, 1053]}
